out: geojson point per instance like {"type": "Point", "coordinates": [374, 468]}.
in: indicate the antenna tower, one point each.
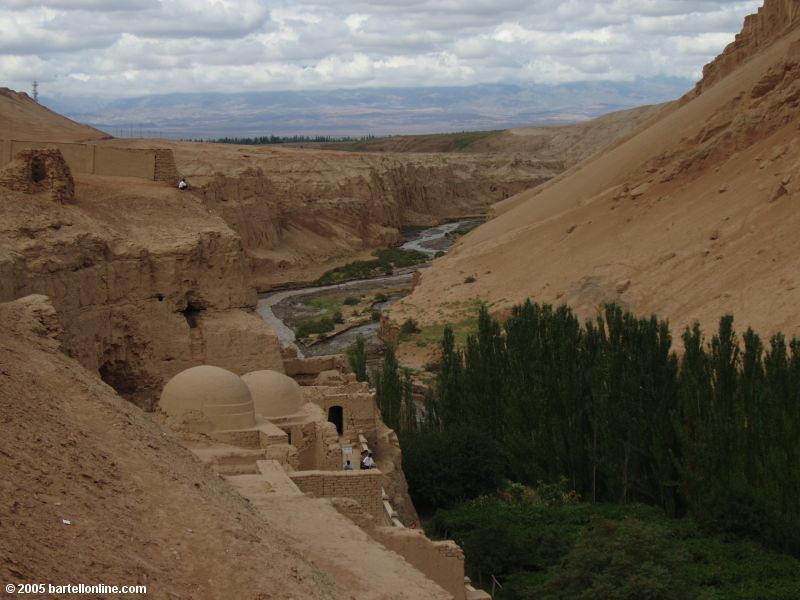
{"type": "Point", "coordinates": [35, 91]}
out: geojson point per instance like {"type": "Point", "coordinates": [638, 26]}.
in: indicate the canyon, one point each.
{"type": "Point", "coordinates": [111, 283]}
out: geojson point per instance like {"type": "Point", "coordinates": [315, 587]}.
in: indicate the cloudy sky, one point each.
{"type": "Point", "coordinates": [136, 47]}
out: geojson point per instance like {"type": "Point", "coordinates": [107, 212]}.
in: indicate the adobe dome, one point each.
{"type": "Point", "coordinates": [207, 398]}
{"type": "Point", "coordinates": [274, 394]}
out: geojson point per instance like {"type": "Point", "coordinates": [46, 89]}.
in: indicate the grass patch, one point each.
{"type": "Point", "coordinates": [384, 263]}
{"type": "Point", "coordinates": [308, 327]}
{"type": "Point", "coordinates": [464, 229]}
{"type": "Point", "coordinates": [427, 335]}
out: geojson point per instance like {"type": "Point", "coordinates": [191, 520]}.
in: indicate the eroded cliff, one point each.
{"type": "Point", "coordinates": [299, 212]}
{"type": "Point", "coordinates": [774, 19]}
{"type": "Point", "coordinates": [146, 280]}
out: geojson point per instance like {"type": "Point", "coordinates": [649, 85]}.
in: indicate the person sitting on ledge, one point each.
{"type": "Point", "coordinates": [182, 185]}
{"type": "Point", "coordinates": [348, 466]}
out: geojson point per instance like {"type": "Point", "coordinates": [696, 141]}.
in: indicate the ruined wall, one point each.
{"type": "Point", "coordinates": [38, 171]}
{"type": "Point", "coordinates": [359, 411]}
{"type": "Point", "coordinates": [441, 561]}
{"type": "Point", "coordinates": [165, 169]}
{"type": "Point", "coordinates": [90, 159]}
{"type": "Point", "coordinates": [124, 162]}
{"type": "Point", "coordinates": [362, 486]}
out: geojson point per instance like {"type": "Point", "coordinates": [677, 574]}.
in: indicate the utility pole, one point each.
{"type": "Point", "coordinates": [35, 91]}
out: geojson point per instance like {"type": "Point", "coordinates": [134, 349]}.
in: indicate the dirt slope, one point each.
{"type": "Point", "coordinates": [693, 216]}
{"type": "Point", "coordinates": [23, 119]}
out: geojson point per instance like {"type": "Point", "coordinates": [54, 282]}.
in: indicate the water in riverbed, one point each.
{"type": "Point", "coordinates": [276, 306]}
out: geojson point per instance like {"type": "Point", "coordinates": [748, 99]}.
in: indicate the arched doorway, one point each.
{"type": "Point", "coordinates": [336, 416]}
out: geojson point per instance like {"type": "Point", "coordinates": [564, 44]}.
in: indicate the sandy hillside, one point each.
{"type": "Point", "coordinates": [23, 119]}
{"type": "Point", "coordinates": [693, 216]}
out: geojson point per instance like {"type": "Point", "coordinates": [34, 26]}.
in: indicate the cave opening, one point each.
{"type": "Point", "coordinates": [38, 170]}
{"type": "Point", "coordinates": [120, 376]}
{"type": "Point", "coordinates": [191, 313]}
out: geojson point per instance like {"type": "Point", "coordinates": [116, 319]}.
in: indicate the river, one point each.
{"type": "Point", "coordinates": [287, 302]}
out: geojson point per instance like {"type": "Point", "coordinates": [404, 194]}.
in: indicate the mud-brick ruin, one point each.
{"type": "Point", "coordinates": [275, 440]}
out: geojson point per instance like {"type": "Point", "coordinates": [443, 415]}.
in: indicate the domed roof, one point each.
{"type": "Point", "coordinates": [207, 398]}
{"type": "Point", "coordinates": [274, 394]}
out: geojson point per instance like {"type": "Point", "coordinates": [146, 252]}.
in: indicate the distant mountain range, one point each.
{"type": "Point", "coordinates": [358, 112]}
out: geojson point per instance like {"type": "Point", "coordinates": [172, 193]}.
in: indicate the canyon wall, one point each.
{"type": "Point", "coordinates": [147, 283]}
{"type": "Point", "coordinates": [300, 212]}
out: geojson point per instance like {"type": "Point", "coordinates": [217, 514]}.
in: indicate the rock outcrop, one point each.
{"type": "Point", "coordinates": [146, 281]}
{"type": "Point", "coordinates": [774, 19]}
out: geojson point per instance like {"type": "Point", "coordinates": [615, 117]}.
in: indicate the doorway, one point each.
{"type": "Point", "coordinates": [336, 416]}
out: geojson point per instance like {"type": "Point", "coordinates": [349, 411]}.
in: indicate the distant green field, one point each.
{"type": "Point", "coordinates": [434, 142]}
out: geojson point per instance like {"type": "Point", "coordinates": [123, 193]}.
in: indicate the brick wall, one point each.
{"type": "Point", "coordinates": [359, 410]}
{"type": "Point", "coordinates": [442, 562]}
{"type": "Point", "coordinates": [362, 486]}
{"type": "Point", "coordinates": [165, 169]}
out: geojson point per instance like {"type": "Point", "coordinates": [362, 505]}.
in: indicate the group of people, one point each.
{"type": "Point", "coordinates": [367, 462]}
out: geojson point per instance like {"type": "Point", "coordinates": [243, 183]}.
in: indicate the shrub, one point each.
{"type": "Point", "coordinates": [376, 315]}
{"type": "Point", "coordinates": [737, 511]}
{"type": "Point", "coordinates": [357, 357]}
{"type": "Point", "coordinates": [351, 301]}
{"type": "Point", "coordinates": [307, 328]}
{"type": "Point", "coordinates": [627, 559]}
{"type": "Point", "coordinates": [470, 279]}
{"type": "Point", "coordinates": [337, 317]}
{"type": "Point", "coordinates": [409, 326]}
{"type": "Point", "coordinates": [439, 254]}
{"type": "Point", "coordinates": [381, 297]}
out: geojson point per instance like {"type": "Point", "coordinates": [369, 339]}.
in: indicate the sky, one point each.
{"type": "Point", "coordinates": [121, 48]}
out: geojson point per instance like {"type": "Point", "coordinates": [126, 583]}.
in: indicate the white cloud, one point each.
{"type": "Point", "coordinates": [134, 47]}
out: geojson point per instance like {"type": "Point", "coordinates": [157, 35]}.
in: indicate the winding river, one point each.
{"type": "Point", "coordinates": [429, 241]}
